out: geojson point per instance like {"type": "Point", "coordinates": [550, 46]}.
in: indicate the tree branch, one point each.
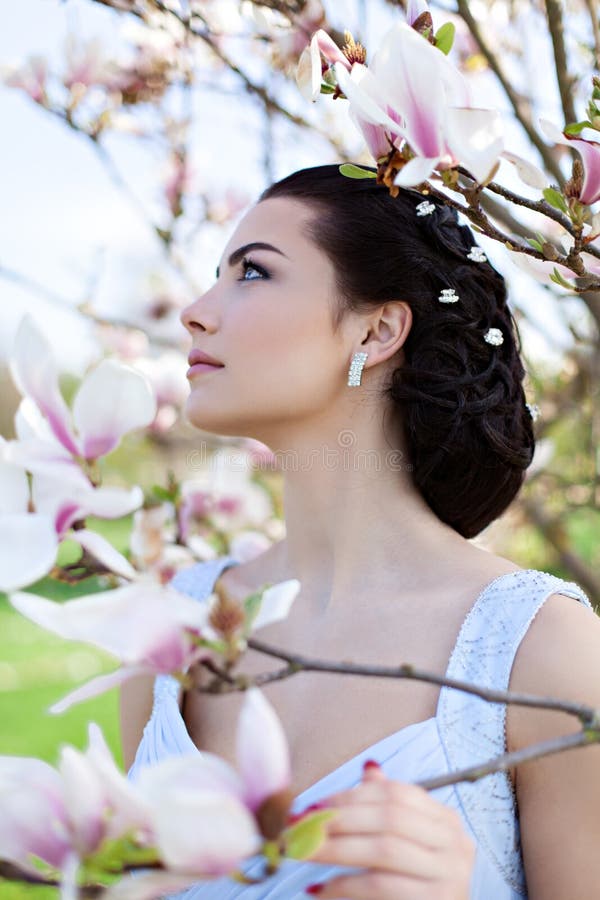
{"type": "Point", "coordinates": [505, 761]}
{"type": "Point", "coordinates": [565, 82]}
{"type": "Point", "coordinates": [588, 716]}
{"type": "Point", "coordinates": [554, 532]}
{"type": "Point", "coordinates": [595, 20]}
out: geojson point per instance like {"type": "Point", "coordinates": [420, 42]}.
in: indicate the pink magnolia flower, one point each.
{"type": "Point", "coordinates": [63, 815]}
{"type": "Point", "coordinates": [34, 819]}
{"type": "Point", "coordinates": [112, 399]}
{"type": "Point", "coordinates": [61, 496]}
{"type": "Point", "coordinates": [28, 541]}
{"type": "Point", "coordinates": [588, 147]}
{"type": "Point", "coordinates": [148, 627]}
{"type": "Point", "coordinates": [31, 77]}
{"type": "Point", "coordinates": [203, 811]}
{"type": "Point", "coordinates": [431, 107]}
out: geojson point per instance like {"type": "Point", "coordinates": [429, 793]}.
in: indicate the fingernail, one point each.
{"type": "Point", "coordinates": [314, 888]}
{"type": "Point", "coordinates": [370, 764]}
{"type": "Point", "coordinates": [295, 817]}
{"type": "Point", "coordinates": [322, 804]}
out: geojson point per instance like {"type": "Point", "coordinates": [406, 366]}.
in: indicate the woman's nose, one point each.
{"type": "Point", "coordinates": [197, 315]}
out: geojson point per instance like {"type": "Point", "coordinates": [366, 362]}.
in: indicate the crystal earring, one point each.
{"type": "Point", "coordinates": [356, 367]}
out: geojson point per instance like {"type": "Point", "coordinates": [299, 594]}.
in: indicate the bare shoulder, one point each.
{"type": "Point", "coordinates": [559, 656]}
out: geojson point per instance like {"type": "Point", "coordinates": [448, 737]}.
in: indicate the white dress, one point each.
{"type": "Point", "coordinates": [465, 730]}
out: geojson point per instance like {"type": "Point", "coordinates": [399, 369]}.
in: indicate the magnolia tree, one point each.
{"type": "Point", "coordinates": [458, 113]}
{"type": "Point", "coordinates": [83, 824]}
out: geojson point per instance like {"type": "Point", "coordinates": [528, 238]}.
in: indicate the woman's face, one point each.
{"type": "Point", "coordinates": [267, 318]}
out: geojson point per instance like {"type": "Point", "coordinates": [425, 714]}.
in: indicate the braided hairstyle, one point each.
{"type": "Point", "coordinates": [467, 430]}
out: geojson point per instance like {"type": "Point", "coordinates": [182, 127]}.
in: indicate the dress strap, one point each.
{"type": "Point", "coordinates": [473, 730]}
{"type": "Point", "coordinates": [197, 581]}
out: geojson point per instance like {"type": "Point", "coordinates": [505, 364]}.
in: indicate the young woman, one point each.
{"type": "Point", "coordinates": [387, 475]}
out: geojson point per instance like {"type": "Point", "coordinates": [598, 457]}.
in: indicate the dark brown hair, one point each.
{"type": "Point", "coordinates": [468, 432]}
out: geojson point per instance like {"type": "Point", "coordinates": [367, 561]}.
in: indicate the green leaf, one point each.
{"type": "Point", "coordinates": [555, 199]}
{"type": "Point", "coordinates": [302, 839]}
{"type": "Point", "coordinates": [535, 244]}
{"type": "Point", "coordinates": [557, 278]}
{"type": "Point", "coordinates": [218, 646]}
{"type": "Point", "coordinates": [444, 37]}
{"type": "Point", "coordinates": [327, 88]}
{"type": "Point", "coordinates": [351, 171]}
{"type": "Point", "coordinates": [577, 127]}
{"type": "Point", "coordinates": [252, 605]}
{"type": "Point", "coordinates": [115, 853]}
{"type": "Point", "coordinates": [162, 493]}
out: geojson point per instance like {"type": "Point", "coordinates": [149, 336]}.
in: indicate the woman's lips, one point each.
{"type": "Point", "coordinates": [198, 368]}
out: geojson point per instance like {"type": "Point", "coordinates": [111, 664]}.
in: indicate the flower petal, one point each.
{"type": "Point", "coordinates": [590, 157]}
{"type": "Point", "coordinates": [553, 132]}
{"type": "Point", "coordinates": [14, 487]}
{"type": "Point", "coordinates": [197, 772]}
{"type": "Point", "coordinates": [33, 819]}
{"type": "Point", "coordinates": [261, 749]}
{"type": "Point", "coordinates": [112, 400]}
{"type": "Point", "coordinates": [414, 9]}
{"type": "Point", "coordinates": [111, 503]}
{"type": "Point", "coordinates": [96, 686]}
{"type": "Point", "coordinates": [365, 96]}
{"type": "Point", "coordinates": [28, 545]}
{"type": "Point", "coordinates": [35, 374]}
{"type": "Point", "coordinates": [142, 623]}
{"type": "Point", "coordinates": [475, 138]}
{"type": "Point", "coordinates": [30, 423]}
{"type": "Point", "coordinates": [529, 173]}
{"type": "Point", "coordinates": [104, 552]}
{"type": "Point", "coordinates": [276, 603]}
{"type": "Point", "coordinates": [43, 457]}
{"type": "Point", "coordinates": [207, 832]}
{"type": "Point", "coordinates": [416, 82]}
{"type": "Point", "coordinates": [128, 809]}
{"type": "Point", "coordinates": [84, 798]}
{"type": "Point", "coordinates": [416, 171]}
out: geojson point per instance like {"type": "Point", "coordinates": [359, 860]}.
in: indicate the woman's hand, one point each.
{"type": "Point", "coordinates": [412, 846]}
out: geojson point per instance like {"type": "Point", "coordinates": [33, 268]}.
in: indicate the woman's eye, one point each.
{"type": "Point", "coordinates": [249, 266]}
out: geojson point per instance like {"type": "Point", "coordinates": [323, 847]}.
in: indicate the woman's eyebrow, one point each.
{"type": "Point", "coordinates": [255, 245]}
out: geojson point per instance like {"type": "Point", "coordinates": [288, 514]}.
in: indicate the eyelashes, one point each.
{"type": "Point", "coordinates": [247, 265]}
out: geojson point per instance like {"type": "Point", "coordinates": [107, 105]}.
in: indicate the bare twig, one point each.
{"type": "Point", "coordinates": [595, 20]}
{"type": "Point", "coordinates": [296, 662]}
{"type": "Point", "coordinates": [506, 761]}
{"type": "Point", "coordinates": [565, 82]}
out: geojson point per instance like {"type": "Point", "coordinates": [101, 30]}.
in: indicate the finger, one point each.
{"type": "Point", "coordinates": [380, 885]}
{"type": "Point", "coordinates": [410, 824]}
{"type": "Point", "coordinates": [388, 790]}
{"type": "Point", "coordinates": [387, 852]}
{"type": "Point", "coordinates": [372, 771]}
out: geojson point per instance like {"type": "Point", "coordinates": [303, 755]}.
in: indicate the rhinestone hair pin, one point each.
{"type": "Point", "coordinates": [534, 410]}
{"type": "Point", "coordinates": [448, 295]}
{"type": "Point", "coordinates": [494, 336]}
{"type": "Point", "coordinates": [476, 254]}
{"type": "Point", "coordinates": [425, 208]}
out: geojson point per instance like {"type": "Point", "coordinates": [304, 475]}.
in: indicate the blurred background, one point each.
{"type": "Point", "coordinates": [135, 133]}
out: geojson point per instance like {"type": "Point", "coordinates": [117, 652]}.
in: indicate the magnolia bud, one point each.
{"type": "Point", "coordinates": [272, 814]}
